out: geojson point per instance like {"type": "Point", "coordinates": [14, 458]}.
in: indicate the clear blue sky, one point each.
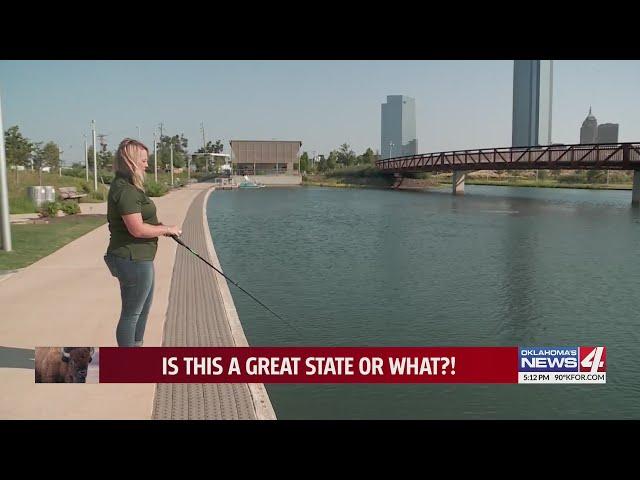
{"type": "Point", "coordinates": [459, 104]}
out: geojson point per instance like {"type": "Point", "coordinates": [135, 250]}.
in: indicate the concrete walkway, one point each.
{"type": "Point", "coordinates": [69, 298]}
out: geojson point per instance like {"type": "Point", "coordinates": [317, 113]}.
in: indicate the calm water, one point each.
{"type": "Point", "coordinates": [498, 267]}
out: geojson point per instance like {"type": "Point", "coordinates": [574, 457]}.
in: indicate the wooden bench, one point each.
{"type": "Point", "coordinates": [67, 193]}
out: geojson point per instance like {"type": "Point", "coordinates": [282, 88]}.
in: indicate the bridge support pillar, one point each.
{"type": "Point", "coordinates": [635, 193]}
{"type": "Point", "coordinates": [457, 181]}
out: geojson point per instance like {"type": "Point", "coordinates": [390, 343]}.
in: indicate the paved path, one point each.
{"type": "Point", "coordinates": [69, 298]}
{"type": "Point", "coordinates": [197, 317]}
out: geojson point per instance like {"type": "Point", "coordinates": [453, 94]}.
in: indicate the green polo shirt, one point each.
{"type": "Point", "coordinates": [125, 198]}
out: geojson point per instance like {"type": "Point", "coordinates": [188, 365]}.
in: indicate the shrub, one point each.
{"type": "Point", "coordinates": [155, 189]}
{"type": "Point", "coordinates": [49, 209]}
{"type": "Point", "coordinates": [107, 177]}
{"type": "Point", "coordinates": [70, 207]}
{"type": "Point", "coordinates": [85, 187]}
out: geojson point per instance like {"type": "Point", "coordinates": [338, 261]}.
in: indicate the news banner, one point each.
{"type": "Point", "coordinates": [520, 365]}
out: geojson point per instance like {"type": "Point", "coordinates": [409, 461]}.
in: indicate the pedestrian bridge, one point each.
{"type": "Point", "coordinates": [603, 156]}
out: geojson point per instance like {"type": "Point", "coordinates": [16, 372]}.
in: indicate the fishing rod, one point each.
{"type": "Point", "coordinates": [180, 242]}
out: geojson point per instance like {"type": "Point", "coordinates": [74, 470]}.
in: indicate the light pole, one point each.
{"type": "Point", "coordinates": [390, 148]}
{"type": "Point", "coordinates": [155, 156]}
{"type": "Point", "coordinates": [172, 164]}
{"type": "Point", "coordinates": [95, 157]}
{"type": "Point", "coordinates": [86, 157]}
{"type": "Point", "coordinates": [4, 193]}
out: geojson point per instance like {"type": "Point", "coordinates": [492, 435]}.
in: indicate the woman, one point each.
{"type": "Point", "coordinates": [134, 231]}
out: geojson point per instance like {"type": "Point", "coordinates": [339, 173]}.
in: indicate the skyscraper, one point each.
{"type": "Point", "coordinates": [589, 129]}
{"type": "Point", "coordinates": [398, 127]}
{"type": "Point", "coordinates": [532, 102]}
{"type": "Point", "coordinates": [608, 133]}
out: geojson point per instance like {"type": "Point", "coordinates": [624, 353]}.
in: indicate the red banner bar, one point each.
{"type": "Point", "coordinates": [309, 365]}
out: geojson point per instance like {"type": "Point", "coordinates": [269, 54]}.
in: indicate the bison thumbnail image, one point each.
{"type": "Point", "coordinates": [66, 365]}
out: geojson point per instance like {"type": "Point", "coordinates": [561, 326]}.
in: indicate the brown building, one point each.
{"type": "Point", "coordinates": [256, 157]}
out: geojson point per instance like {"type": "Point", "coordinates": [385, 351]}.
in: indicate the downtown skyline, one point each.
{"type": "Point", "coordinates": [459, 104]}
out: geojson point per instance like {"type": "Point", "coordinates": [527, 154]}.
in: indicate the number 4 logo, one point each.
{"type": "Point", "coordinates": [594, 361]}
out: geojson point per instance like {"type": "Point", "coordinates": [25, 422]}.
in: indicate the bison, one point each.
{"type": "Point", "coordinates": [63, 365]}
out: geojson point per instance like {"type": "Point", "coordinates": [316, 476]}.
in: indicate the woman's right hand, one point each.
{"type": "Point", "coordinates": [173, 230]}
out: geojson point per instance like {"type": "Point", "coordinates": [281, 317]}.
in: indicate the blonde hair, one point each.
{"type": "Point", "coordinates": [126, 162]}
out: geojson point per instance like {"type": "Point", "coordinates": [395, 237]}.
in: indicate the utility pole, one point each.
{"type": "Point", "coordinates": [103, 142]}
{"type": "Point", "coordinates": [86, 157]}
{"type": "Point", "coordinates": [95, 157]}
{"type": "Point", "coordinates": [161, 125]}
{"type": "Point", "coordinates": [60, 163]}
{"type": "Point", "coordinates": [4, 192]}
{"type": "Point", "coordinates": [172, 164]}
{"type": "Point", "coordinates": [155, 156]}
{"type": "Point", "coordinates": [204, 143]}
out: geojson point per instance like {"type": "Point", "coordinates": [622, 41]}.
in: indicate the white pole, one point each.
{"type": "Point", "coordinates": [172, 164]}
{"type": "Point", "coordinates": [95, 157]}
{"type": "Point", "coordinates": [155, 156]}
{"type": "Point", "coordinates": [86, 157]}
{"type": "Point", "coordinates": [4, 192]}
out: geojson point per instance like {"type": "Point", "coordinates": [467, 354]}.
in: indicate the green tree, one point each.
{"type": "Point", "coordinates": [346, 156]}
{"type": "Point", "coordinates": [210, 147]}
{"type": "Point", "coordinates": [367, 158]}
{"type": "Point", "coordinates": [321, 165]}
{"type": "Point", "coordinates": [332, 160]}
{"type": "Point", "coordinates": [180, 144]}
{"type": "Point", "coordinates": [104, 159]}
{"type": "Point", "coordinates": [17, 148]}
{"type": "Point", "coordinates": [304, 162]}
{"type": "Point", "coordinates": [50, 156]}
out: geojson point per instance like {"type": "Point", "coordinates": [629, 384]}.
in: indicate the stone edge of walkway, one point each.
{"type": "Point", "coordinates": [261, 402]}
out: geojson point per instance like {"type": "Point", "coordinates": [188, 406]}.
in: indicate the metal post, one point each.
{"type": "Point", "coordinates": [86, 157]}
{"type": "Point", "coordinates": [4, 191]}
{"type": "Point", "coordinates": [172, 164]}
{"type": "Point", "coordinates": [95, 157]}
{"type": "Point", "coordinates": [155, 157]}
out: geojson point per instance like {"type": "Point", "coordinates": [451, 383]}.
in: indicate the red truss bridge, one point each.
{"type": "Point", "coordinates": [603, 156]}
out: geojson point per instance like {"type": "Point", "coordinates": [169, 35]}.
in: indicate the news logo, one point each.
{"type": "Point", "coordinates": [562, 365]}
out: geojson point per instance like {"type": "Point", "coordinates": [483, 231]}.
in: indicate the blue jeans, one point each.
{"type": "Point", "coordinates": [136, 291]}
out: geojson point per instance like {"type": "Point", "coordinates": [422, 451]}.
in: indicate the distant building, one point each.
{"type": "Point", "coordinates": [589, 129]}
{"type": "Point", "coordinates": [532, 102]}
{"type": "Point", "coordinates": [265, 156]}
{"type": "Point", "coordinates": [608, 133]}
{"type": "Point", "coordinates": [398, 127]}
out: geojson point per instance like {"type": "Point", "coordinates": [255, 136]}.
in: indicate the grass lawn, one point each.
{"type": "Point", "coordinates": [19, 202]}
{"type": "Point", "coordinates": [31, 242]}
